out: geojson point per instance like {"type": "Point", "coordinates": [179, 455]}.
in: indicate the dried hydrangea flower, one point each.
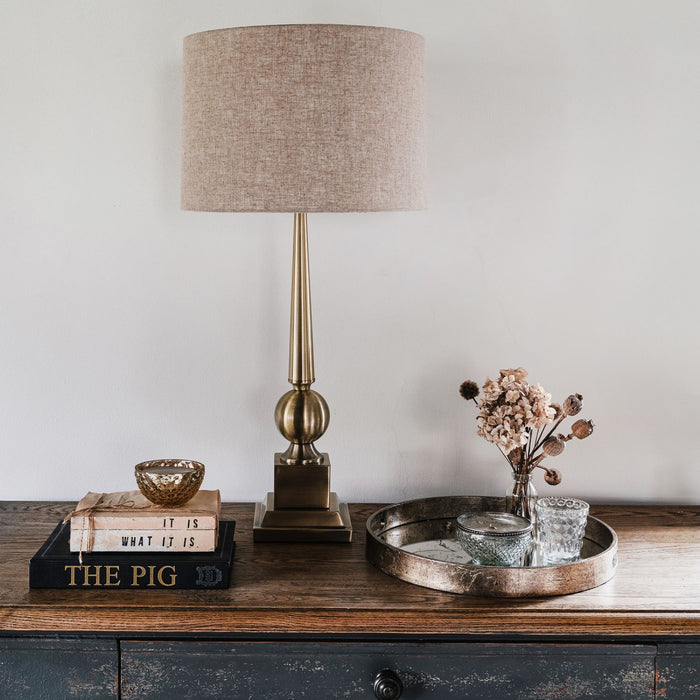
{"type": "Point", "coordinates": [491, 391]}
{"type": "Point", "coordinates": [553, 446]}
{"type": "Point", "coordinates": [503, 426]}
{"type": "Point", "coordinates": [512, 396]}
{"type": "Point", "coordinates": [541, 406]}
{"type": "Point", "coordinates": [469, 390]}
{"type": "Point", "coordinates": [511, 408]}
{"type": "Point", "coordinates": [518, 374]}
{"type": "Point", "coordinates": [572, 405]}
{"type": "Point", "coordinates": [582, 428]}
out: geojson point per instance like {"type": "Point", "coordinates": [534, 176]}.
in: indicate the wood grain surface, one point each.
{"type": "Point", "coordinates": [332, 589]}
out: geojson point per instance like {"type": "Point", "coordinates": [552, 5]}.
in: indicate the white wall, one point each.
{"type": "Point", "coordinates": [562, 235]}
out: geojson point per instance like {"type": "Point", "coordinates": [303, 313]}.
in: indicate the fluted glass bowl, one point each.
{"type": "Point", "coordinates": [169, 482]}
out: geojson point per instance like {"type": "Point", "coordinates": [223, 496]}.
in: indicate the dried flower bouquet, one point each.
{"type": "Point", "coordinates": [520, 419]}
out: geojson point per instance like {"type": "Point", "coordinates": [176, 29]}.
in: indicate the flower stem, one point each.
{"type": "Point", "coordinates": [542, 441]}
{"type": "Point", "coordinates": [536, 463]}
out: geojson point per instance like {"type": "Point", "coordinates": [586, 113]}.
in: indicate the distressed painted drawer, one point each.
{"type": "Point", "coordinates": [53, 669]}
{"type": "Point", "coordinates": [678, 672]}
{"type": "Point", "coordinates": [347, 670]}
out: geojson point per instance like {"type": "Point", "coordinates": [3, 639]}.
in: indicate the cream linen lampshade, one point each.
{"type": "Point", "coordinates": [303, 118]}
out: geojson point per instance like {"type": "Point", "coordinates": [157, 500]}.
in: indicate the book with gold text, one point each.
{"type": "Point", "coordinates": [55, 566]}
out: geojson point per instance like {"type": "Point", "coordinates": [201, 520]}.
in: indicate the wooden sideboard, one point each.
{"type": "Point", "coordinates": [319, 621]}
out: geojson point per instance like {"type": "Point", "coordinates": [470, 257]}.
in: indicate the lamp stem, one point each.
{"type": "Point", "coordinates": [301, 414]}
{"type": "Point", "coordinates": [301, 338]}
{"type": "Point", "coordinates": [302, 505]}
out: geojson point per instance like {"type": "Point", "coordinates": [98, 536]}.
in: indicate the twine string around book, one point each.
{"type": "Point", "coordinates": [124, 501]}
{"type": "Point", "coordinates": [103, 502]}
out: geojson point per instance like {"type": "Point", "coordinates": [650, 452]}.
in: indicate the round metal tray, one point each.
{"type": "Point", "coordinates": [416, 542]}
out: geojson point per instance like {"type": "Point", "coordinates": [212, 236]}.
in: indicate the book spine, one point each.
{"type": "Point", "coordinates": [53, 566]}
{"type": "Point", "coordinates": [146, 522]}
{"type": "Point", "coordinates": [143, 540]}
{"type": "Point", "coordinates": [120, 574]}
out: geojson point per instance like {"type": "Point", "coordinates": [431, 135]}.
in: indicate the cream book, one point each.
{"type": "Point", "coordinates": [127, 521]}
{"type": "Point", "coordinates": [143, 540]}
{"type": "Point", "coordinates": [131, 510]}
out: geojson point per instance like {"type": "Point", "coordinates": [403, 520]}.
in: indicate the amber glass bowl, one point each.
{"type": "Point", "coordinates": [169, 482]}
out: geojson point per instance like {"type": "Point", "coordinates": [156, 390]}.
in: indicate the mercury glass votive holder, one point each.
{"type": "Point", "coordinates": [169, 482]}
{"type": "Point", "coordinates": [494, 539]}
{"type": "Point", "coordinates": [561, 524]}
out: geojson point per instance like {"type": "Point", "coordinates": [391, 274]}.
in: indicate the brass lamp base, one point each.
{"type": "Point", "coordinates": [304, 486]}
{"type": "Point", "coordinates": [302, 507]}
{"type": "Point", "coordinates": [302, 524]}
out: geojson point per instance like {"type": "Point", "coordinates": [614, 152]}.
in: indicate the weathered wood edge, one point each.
{"type": "Point", "coordinates": [280, 621]}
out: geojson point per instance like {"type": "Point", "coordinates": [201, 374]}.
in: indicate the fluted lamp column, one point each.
{"type": "Point", "coordinates": [299, 119]}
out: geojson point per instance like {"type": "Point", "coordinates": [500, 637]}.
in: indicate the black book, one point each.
{"type": "Point", "coordinates": [55, 566]}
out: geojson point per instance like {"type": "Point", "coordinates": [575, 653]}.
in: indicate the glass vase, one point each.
{"type": "Point", "coordinates": [521, 498]}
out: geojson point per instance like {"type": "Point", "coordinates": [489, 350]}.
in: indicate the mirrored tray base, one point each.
{"type": "Point", "coordinates": [416, 541]}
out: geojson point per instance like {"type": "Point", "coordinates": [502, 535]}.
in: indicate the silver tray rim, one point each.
{"type": "Point", "coordinates": [478, 580]}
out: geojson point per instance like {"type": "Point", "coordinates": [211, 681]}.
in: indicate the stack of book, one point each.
{"type": "Point", "coordinates": [128, 522]}
{"type": "Point", "coordinates": [122, 540]}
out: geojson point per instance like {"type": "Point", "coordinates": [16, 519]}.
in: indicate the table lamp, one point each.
{"type": "Point", "coordinates": [303, 118]}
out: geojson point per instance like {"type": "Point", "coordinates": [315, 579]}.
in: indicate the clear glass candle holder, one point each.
{"type": "Point", "coordinates": [494, 539]}
{"type": "Point", "coordinates": [561, 524]}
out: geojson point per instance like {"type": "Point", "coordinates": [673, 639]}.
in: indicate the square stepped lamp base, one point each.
{"type": "Point", "coordinates": [302, 525]}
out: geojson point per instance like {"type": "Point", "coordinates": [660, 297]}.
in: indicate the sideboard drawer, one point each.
{"type": "Point", "coordinates": [347, 670]}
{"type": "Point", "coordinates": [678, 671]}
{"type": "Point", "coordinates": [54, 669]}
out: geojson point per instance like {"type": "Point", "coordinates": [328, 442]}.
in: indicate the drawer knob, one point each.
{"type": "Point", "coordinates": [387, 685]}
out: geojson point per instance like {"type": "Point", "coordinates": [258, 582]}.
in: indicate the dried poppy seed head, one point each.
{"type": "Point", "coordinates": [553, 446]}
{"type": "Point", "coordinates": [553, 477]}
{"type": "Point", "coordinates": [572, 405]}
{"type": "Point", "coordinates": [469, 390]}
{"type": "Point", "coordinates": [582, 428]}
{"type": "Point", "coordinates": [557, 410]}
